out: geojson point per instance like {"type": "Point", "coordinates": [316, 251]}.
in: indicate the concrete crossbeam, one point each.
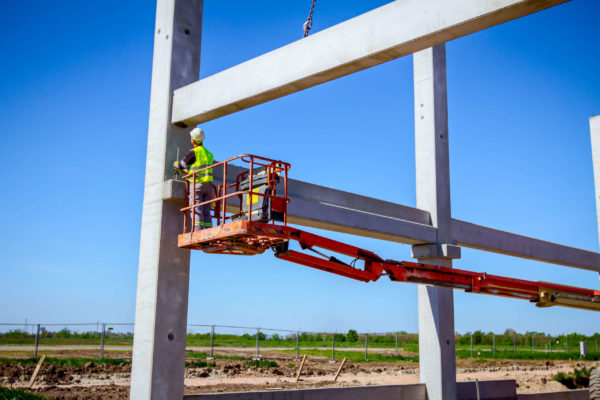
{"type": "Point", "coordinates": [325, 208]}
{"type": "Point", "coordinates": [485, 390]}
{"type": "Point", "coordinates": [396, 392]}
{"type": "Point", "coordinates": [383, 34]}
{"type": "Point", "coordinates": [369, 217]}
{"type": "Point", "coordinates": [480, 237]}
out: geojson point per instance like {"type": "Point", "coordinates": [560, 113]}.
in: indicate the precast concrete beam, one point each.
{"type": "Point", "coordinates": [479, 237]}
{"type": "Point", "coordinates": [341, 212]}
{"type": "Point", "coordinates": [336, 210]}
{"type": "Point", "coordinates": [383, 34]}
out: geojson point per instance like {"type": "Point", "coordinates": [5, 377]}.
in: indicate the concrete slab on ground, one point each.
{"type": "Point", "coordinates": [488, 390]}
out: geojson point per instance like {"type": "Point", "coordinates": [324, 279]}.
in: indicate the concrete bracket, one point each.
{"type": "Point", "coordinates": [174, 191]}
{"type": "Point", "coordinates": [432, 250]}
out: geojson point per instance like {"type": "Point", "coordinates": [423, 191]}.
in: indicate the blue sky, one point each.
{"type": "Point", "coordinates": [74, 89]}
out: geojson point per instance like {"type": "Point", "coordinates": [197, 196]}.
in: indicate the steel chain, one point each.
{"type": "Point", "coordinates": [308, 24]}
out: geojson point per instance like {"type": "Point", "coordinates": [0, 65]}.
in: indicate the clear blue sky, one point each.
{"type": "Point", "coordinates": [74, 95]}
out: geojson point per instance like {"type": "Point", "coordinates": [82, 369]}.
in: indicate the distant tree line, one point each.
{"type": "Point", "coordinates": [64, 333]}
{"type": "Point", "coordinates": [511, 337]}
{"type": "Point", "coordinates": [507, 338]}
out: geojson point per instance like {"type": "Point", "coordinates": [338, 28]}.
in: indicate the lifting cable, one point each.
{"type": "Point", "coordinates": [308, 24]}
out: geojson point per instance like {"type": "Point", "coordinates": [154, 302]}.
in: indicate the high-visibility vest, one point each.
{"type": "Point", "coordinates": [203, 158]}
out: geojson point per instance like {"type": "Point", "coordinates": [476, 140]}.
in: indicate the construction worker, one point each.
{"type": "Point", "coordinates": [201, 190]}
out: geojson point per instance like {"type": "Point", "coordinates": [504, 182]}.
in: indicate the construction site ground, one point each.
{"type": "Point", "coordinates": [95, 380]}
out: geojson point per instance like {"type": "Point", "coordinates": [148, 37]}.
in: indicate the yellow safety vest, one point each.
{"type": "Point", "coordinates": [203, 158]}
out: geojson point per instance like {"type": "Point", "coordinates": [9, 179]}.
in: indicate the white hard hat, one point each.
{"type": "Point", "coordinates": [197, 135]}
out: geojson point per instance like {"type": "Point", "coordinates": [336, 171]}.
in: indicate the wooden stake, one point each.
{"type": "Point", "coordinates": [339, 369]}
{"type": "Point", "coordinates": [300, 368]}
{"type": "Point", "coordinates": [36, 370]}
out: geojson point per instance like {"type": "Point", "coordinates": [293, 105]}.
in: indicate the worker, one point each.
{"type": "Point", "coordinates": [202, 189]}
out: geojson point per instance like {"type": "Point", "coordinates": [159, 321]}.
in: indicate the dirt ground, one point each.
{"type": "Point", "coordinates": [107, 381]}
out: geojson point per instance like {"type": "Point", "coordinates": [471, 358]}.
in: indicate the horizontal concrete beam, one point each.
{"type": "Point", "coordinates": [336, 210]}
{"type": "Point", "coordinates": [485, 390]}
{"type": "Point", "coordinates": [383, 34]}
{"type": "Point", "coordinates": [575, 394]}
{"type": "Point", "coordinates": [480, 237]}
{"type": "Point", "coordinates": [396, 392]}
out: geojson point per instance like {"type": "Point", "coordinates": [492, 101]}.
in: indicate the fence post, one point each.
{"type": "Point", "coordinates": [567, 345]}
{"type": "Point", "coordinates": [297, 345]}
{"type": "Point", "coordinates": [550, 341]}
{"type": "Point", "coordinates": [583, 352]}
{"type": "Point", "coordinates": [596, 340]}
{"type": "Point", "coordinates": [471, 345]}
{"type": "Point", "coordinates": [37, 341]}
{"type": "Point", "coordinates": [212, 343]}
{"type": "Point", "coordinates": [397, 345]}
{"type": "Point", "coordinates": [366, 346]}
{"type": "Point", "coordinates": [332, 348]}
{"type": "Point", "coordinates": [532, 345]}
{"type": "Point", "coordinates": [494, 344]}
{"type": "Point", "coordinates": [257, 357]}
{"type": "Point", "coordinates": [102, 340]}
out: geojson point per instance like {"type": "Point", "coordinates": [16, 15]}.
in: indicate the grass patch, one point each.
{"type": "Point", "coordinates": [215, 356]}
{"type": "Point", "coordinates": [262, 364]}
{"type": "Point", "coordinates": [64, 342]}
{"type": "Point", "coordinates": [17, 394]}
{"type": "Point", "coordinates": [200, 364]}
{"type": "Point", "coordinates": [523, 355]}
{"type": "Point", "coordinates": [355, 356]}
{"type": "Point", "coordinates": [579, 378]}
{"type": "Point", "coordinates": [67, 362]}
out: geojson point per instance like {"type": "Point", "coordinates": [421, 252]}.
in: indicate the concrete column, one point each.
{"type": "Point", "coordinates": [595, 134]}
{"type": "Point", "coordinates": [436, 305]}
{"type": "Point", "coordinates": [163, 274]}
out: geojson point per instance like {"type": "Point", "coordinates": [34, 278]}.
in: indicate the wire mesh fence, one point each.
{"type": "Point", "coordinates": [115, 340]}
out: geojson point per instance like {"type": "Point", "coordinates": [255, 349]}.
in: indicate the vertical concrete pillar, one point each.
{"type": "Point", "coordinates": [595, 134]}
{"type": "Point", "coordinates": [163, 274]}
{"type": "Point", "coordinates": [436, 305]}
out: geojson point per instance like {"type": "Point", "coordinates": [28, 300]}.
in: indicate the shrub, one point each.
{"type": "Point", "coordinates": [262, 364]}
{"type": "Point", "coordinates": [352, 336]}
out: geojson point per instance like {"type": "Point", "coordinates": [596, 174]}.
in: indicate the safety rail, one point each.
{"type": "Point", "coordinates": [273, 170]}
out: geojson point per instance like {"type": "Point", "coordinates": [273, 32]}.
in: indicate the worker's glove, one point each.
{"type": "Point", "coordinates": [177, 167]}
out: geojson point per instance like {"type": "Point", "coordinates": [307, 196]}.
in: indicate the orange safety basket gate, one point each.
{"type": "Point", "coordinates": [245, 236]}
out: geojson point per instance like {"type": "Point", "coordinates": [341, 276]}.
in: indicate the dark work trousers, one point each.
{"type": "Point", "coordinates": [202, 192]}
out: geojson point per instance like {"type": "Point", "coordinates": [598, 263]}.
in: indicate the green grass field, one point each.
{"type": "Point", "coordinates": [319, 344]}
{"type": "Point", "coordinates": [17, 394]}
{"type": "Point", "coordinates": [355, 356]}
{"type": "Point", "coordinates": [68, 362]}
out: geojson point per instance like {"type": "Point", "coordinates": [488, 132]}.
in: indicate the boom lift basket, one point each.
{"type": "Point", "coordinates": [244, 197]}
